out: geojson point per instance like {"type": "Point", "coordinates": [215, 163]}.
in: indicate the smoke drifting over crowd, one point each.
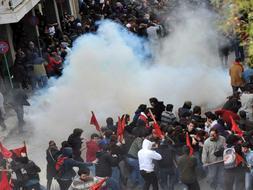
{"type": "Point", "coordinates": [110, 72]}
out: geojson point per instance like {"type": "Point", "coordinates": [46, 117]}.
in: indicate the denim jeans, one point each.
{"type": "Point", "coordinates": [92, 169]}
{"type": "Point", "coordinates": [116, 175]}
{"type": "Point", "coordinates": [216, 175]}
{"type": "Point", "coordinates": [135, 175]}
{"type": "Point", "coordinates": [112, 184]}
{"type": "Point", "coordinates": [249, 180]}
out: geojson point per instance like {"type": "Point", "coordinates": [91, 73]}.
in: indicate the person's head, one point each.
{"type": "Point", "coordinates": [245, 147]}
{"type": "Point", "coordinates": [210, 116]}
{"type": "Point", "coordinates": [187, 104]}
{"type": "Point", "coordinates": [31, 45]}
{"type": "Point", "coordinates": [243, 114]}
{"type": "Point", "coordinates": [196, 110]}
{"type": "Point", "coordinates": [153, 101]}
{"type": "Point", "coordinates": [52, 144]}
{"type": "Point", "coordinates": [24, 160]}
{"type": "Point", "coordinates": [169, 107]}
{"type": "Point", "coordinates": [65, 144]}
{"type": "Point", "coordinates": [109, 121]}
{"type": "Point", "coordinates": [142, 107]}
{"type": "Point", "coordinates": [237, 60]}
{"type": "Point", "coordinates": [84, 173]}
{"type": "Point", "coordinates": [190, 126]}
{"type": "Point", "coordinates": [77, 132]}
{"type": "Point", "coordinates": [94, 137]}
{"type": "Point", "coordinates": [214, 135]}
{"type": "Point", "coordinates": [67, 152]}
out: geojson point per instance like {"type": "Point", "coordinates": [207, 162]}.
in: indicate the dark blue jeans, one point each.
{"type": "Point", "coordinates": [135, 175]}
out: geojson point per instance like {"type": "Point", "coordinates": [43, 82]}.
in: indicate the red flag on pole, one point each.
{"type": "Point", "coordinates": [121, 128]}
{"type": "Point", "coordinates": [98, 185]}
{"type": "Point", "coordinates": [93, 121]}
{"type": "Point", "coordinates": [4, 184]}
{"type": "Point", "coordinates": [156, 126]}
{"type": "Point", "coordinates": [188, 143]}
{"type": "Point", "coordinates": [19, 151]}
{"type": "Point", "coordinates": [235, 128]}
{"type": "Point", "coordinates": [5, 152]}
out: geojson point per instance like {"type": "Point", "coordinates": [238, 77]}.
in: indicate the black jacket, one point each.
{"type": "Point", "coordinates": [168, 154]}
{"type": "Point", "coordinates": [105, 163]}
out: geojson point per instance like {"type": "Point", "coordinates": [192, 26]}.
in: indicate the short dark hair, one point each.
{"type": "Point", "coordinates": [77, 131]}
{"type": "Point", "coordinates": [94, 135]}
{"type": "Point", "coordinates": [215, 130]}
{"type": "Point", "coordinates": [197, 110]}
{"type": "Point", "coordinates": [109, 121]}
{"type": "Point", "coordinates": [169, 107]}
{"type": "Point", "coordinates": [85, 171]}
{"type": "Point", "coordinates": [243, 114]}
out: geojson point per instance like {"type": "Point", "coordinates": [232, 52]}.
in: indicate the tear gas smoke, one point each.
{"type": "Point", "coordinates": [109, 72]}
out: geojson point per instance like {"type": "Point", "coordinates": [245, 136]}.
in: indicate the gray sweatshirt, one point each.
{"type": "Point", "coordinates": [210, 147]}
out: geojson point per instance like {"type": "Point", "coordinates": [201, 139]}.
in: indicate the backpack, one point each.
{"type": "Point", "coordinates": [229, 156]}
{"type": "Point", "coordinates": [59, 165]}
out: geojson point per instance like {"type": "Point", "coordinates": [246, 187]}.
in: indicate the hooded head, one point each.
{"type": "Point", "coordinates": [147, 144]}
{"type": "Point", "coordinates": [67, 152]}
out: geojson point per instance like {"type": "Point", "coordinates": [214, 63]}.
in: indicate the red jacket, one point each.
{"type": "Point", "coordinates": [92, 149]}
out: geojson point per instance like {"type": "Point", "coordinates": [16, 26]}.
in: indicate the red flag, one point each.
{"type": "Point", "coordinates": [188, 143]}
{"type": "Point", "coordinates": [121, 128]}
{"type": "Point", "coordinates": [157, 129]}
{"type": "Point", "coordinates": [5, 152]}
{"type": "Point", "coordinates": [98, 185]}
{"type": "Point", "coordinates": [239, 159]}
{"type": "Point", "coordinates": [93, 121]}
{"type": "Point", "coordinates": [235, 128]}
{"type": "Point", "coordinates": [19, 151]}
{"type": "Point", "coordinates": [4, 184]}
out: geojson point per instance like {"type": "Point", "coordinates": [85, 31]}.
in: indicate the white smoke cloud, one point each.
{"type": "Point", "coordinates": [108, 72]}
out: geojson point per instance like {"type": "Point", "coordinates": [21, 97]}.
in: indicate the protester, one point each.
{"type": "Point", "coordinates": [248, 154]}
{"type": "Point", "coordinates": [75, 141]}
{"type": "Point", "coordinates": [146, 156]}
{"type": "Point", "coordinates": [168, 117]}
{"type": "Point", "coordinates": [64, 168]}
{"type": "Point", "coordinates": [51, 155]}
{"type": "Point", "coordinates": [187, 169]}
{"type": "Point", "coordinates": [213, 152]}
{"type": "Point", "coordinates": [235, 73]}
{"type": "Point", "coordinates": [83, 181]}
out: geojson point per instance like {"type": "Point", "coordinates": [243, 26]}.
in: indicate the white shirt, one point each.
{"type": "Point", "coordinates": [146, 156]}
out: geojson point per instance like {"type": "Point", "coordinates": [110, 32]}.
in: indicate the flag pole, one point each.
{"type": "Point", "coordinates": [152, 115]}
{"type": "Point", "coordinates": [25, 148]}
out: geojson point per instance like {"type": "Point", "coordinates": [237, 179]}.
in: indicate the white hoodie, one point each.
{"type": "Point", "coordinates": [146, 156]}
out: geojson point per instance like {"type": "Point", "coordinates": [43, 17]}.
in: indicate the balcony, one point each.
{"type": "Point", "coordinates": [12, 11]}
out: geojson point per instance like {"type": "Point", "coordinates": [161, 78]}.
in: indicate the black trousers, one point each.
{"type": "Point", "coordinates": [150, 179]}
{"type": "Point", "coordinates": [193, 186]}
{"type": "Point", "coordinates": [64, 184]}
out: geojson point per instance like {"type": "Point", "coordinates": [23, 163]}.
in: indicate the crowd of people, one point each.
{"type": "Point", "coordinates": [158, 147]}
{"type": "Point", "coordinates": [190, 151]}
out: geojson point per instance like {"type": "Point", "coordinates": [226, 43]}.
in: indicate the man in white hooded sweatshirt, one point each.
{"type": "Point", "coordinates": [146, 157]}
